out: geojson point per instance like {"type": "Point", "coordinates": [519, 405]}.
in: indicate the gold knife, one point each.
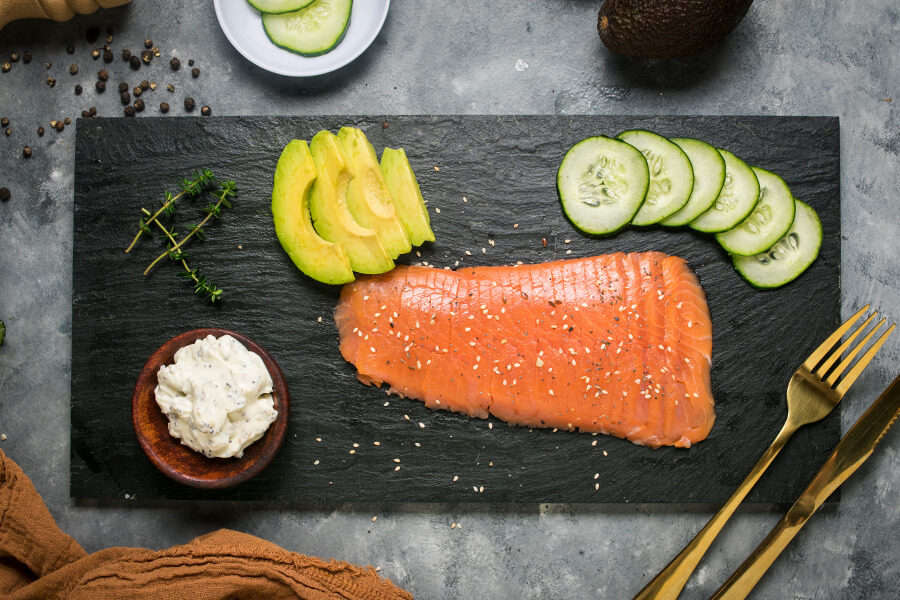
{"type": "Point", "coordinates": [852, 451]}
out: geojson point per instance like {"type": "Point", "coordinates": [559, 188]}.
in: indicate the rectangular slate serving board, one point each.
{"type": "Point", "coordinates": [504, 167]}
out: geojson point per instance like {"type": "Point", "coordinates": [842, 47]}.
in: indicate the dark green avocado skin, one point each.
{"type": "Point", "coordinates": [667, 28]}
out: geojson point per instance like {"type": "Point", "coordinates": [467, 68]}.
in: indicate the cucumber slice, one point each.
{"type": "Point", "coordinates": [709, 177]}
{"type": "Point", "coordinates": [789, 257]}
{"type": "Point", "coordinates": [311, 31]}
{"type": "Point", "coordinates": [769, 221]}
{"type": "Point", "coordinates": [602, 183]}
{"type": "Point", "coordinates": [278, 7]}
{"type": "Point", "coordinates": [736, 201]}
{"type": "Point", "coordinates": [671, 176]}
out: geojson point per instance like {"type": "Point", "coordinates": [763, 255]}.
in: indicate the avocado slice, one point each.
{"type": "Point", "coordinates": [667, 28]}
{"type": "Point", "coordinates": [330, 214]}
{"type": "Point", "coordinates": [368, 196]}
{"type": "Point", "coordinates": [318, 258]}
{"type": "Point", "coordinates": [407, 196]}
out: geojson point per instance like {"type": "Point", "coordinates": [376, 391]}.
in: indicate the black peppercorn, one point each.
{"type": "Point", "coordinates": [129, 111]}
{"type": "Point", "coordinates": [73, 69]}
{"type": "Point", "coordinates": [139, 105]}
{"type": "Point", "coordinates": [40, 131]}
{"type": "Point", "coordinates": [92, 35]}
{"type": "Point", "coordinates": [123, 87]}
{"type": "Point", "coordinates": [109, 39]}
{"type": "Point", "coordinates": [164, 107]}
{"type": "Point", "coordinates": [78, 90]}
{"type": "Point", "coordinates": [145, 85]}
{"type": "Point", "coordinates": [148, 43]}
{"type": "Point", "coordinates": [191, 63]}
{"type": "Point", "coordinates": [70, 49]}
{"type": "Point", "coordinates": [101, 86]}
{"type": "Point", "coordinates": [137, 91]}
{"type": "Point", "coordinates": [175, 64]}
{"type": "Point", "coordinates": [4, 194]}
{"type": "Point", "coordinates": [4, 122]}
{"type": "Point", "coordinates": [108, 56]}
{"type": "Point", "coordinates": [48, 65]}
{"type": "Point", "coordinates": [146, 56]}
{"type": "Point", "coordinates": [26, 58]}
{"type": "Point", "coordinates": [26, 151]}
{"type": "Point", "coordinates": [51, 82]}
{"type": "Point", "coordinates": [60, 125]}
{"type": "Point", "coordinates": [189, 104]}
{"type": "Point", "coordinates": [5, 67]}
{"type": "Point", "coordinates": [126, 55]}
{"type": "Point", "coordinates": [106, 48]}
{"type": "Point", "coordinates": [170, 87]}
{"type": "Point", "coordinates": [135, 62]}
{"type": "Point", "coordinates": [14, 57]}
{"type": "Point", "coordinates": [67, 121]}
{"type": "Point", "coordinates": [86, 114]}
{"type": "Point", "coordinates": [103, 75]}
{"type": "Point", "coordinates": [195, 72]}
{"type": "Point", "coordinates": [126, 98]}
{"type": "Point", "coordinates": [95, 54]}
{"type": "Point", "coordinates": [206, 111]}
{"type": "Point", "coordinates": [8, 132]}
{"type": "Point", "coordinates": [93, 111]}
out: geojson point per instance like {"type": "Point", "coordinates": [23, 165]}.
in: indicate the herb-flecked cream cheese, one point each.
{"type": "Point", "coordinates": [217, 396]}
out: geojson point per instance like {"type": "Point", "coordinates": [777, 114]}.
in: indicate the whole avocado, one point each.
{"type": "Point", "coordinates": [667, 28]}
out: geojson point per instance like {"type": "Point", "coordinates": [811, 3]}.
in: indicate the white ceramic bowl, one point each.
{"type": "Point", "coordinates": [242, 25]}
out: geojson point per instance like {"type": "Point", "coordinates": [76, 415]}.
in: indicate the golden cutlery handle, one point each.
{"type": "Point", "coordinates": [667, 585]}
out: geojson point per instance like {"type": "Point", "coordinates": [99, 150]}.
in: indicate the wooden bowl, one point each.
{"type": "Point", "coordinates": [177, 460]}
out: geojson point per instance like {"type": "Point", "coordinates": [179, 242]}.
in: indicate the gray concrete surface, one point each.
{"type": "Point", "coordinates": [818, 58]}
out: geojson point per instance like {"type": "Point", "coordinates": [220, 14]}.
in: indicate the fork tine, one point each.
{"type": "Point", "coordinates": [820, 352]}
{"type": "Point", "coordinates": [851, 355]}
{"type": "Point", "coordinates": [834, 356]}
{"type": "Point", "coordinates": [845, 383]}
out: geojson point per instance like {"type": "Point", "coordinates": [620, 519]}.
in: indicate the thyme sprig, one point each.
{"type": "Point", "coordinates": [202, 182]}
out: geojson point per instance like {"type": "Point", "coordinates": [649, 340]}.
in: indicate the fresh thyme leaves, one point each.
{"type": "Point", "coordinates": [202, 182]}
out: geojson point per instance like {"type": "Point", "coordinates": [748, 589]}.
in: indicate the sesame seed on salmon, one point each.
{"type": "Point", "coordinates": [619, 344]}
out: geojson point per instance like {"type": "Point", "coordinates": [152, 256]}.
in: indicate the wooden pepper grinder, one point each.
{"type": "Point", "coordinates": [58, 10]}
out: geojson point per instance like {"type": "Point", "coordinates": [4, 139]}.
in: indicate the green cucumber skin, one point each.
{"type": "Point", "coordinates": [738, 260]}
{"type": "Point", "coordinates": [581, 227]}
{"type": "Point", "coordinates": [315, 53]}
{"type": "Point", "coordinates": [736, 219]}
{"type": "Point", "coordinates": [676, 219]}
{"type": "Point", "coordinates": [303, 4]}
{"type": "Point", "coordinates": [726, 241]}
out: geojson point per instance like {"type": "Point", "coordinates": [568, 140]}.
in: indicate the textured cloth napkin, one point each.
{"type": "Point", "coordinates": [38, 561]}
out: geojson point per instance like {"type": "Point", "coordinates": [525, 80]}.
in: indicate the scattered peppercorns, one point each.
{"type": "Point", "coordinates": [101, 86]}
{"type": "Point", "coordinates": [191, 62]}
{"type": "Point", "coordinates": [60, 125]}
{"type": "Point", "coordinates": [137, 91]}
{"type": "Point", "coordinates": [152, 85]}
{"type": "Point", "coordinates": [73, 69]}
{"type": "Point", "coordinates": [135, 62]}
{"type": "Point", "coordinates": [103, 75]}
{"type": "Point", "coordinates": [108, 56]}
{"type": "Point", "coordinates": [5, 194]}
{"type": "Point", "coordinates": [8, 132]}
{"type": "Point", "coordinates": [139, 105]}
{"type": "Point", "coordinates": [70, 49]}
{"type": "Point", "coordinates": [126, 98]}
{"type": "Point", "coordinates": [148, 43]}
{"type": "Point", "coordinates": [175, 64]}
{"type": "Point", "coordinates": [189, 104]}
{"type": "Point", "coordinates": [26, 57]}
{"type": "Point", "coordinates": [40, 132]}
{"type": "Point", "coordinates": [86, 114]}
{"type": "Point", "coordinates": [51, 82]}
{"type": "Point", "coordinates": [145, 85]}
{"type": "Point", "coordinates": [5, 67]}
{"type": "Point", "coordinates": [164, 107]}
{"type": "Point", "coordinates": [26, 151]}
{"type": "Point", "coordinates": [95, 54]}
{"type": "Point", "coordinates": [126, 55]}
{"type": "Point", "coordinates": [4, 122]}
{"type": "Point", "coordinates": [78, 90]}
{"type": "Point", "coordinates": [123, 87]}
{"type": "Point", "coordinates": [206, 111]}
{"type": "Point", "coordinates": [93, 111]}
{"type": "Point", "coordinates": [48, 65]}
{"type": "Point", "coordinates": [14, 57]}
{"type": "Point", "coordinates": [146, 56]}
{"type": "Point", "coordinates": [195, 72]}
{"type": "Point", "coordinates": [129, 111]}
{"type": "Point", "coordinates": [67, 121]}
{"type": "Point", "coordinates": [170, 87]}
{"type": "Point", "coordinates": [109, 39]}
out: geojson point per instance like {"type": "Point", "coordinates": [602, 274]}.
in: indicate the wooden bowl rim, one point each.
{"type": "Point", "coordinates": [167, 452]}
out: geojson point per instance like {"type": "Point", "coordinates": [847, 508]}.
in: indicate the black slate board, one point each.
{"type": "Point", "coordinates": [505, 166]}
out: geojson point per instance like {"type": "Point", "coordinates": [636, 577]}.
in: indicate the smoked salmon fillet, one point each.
{"type": "Point", "coordinates": [619, 344]}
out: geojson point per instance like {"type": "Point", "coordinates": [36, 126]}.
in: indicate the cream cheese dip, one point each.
{"type": "Point", "coordinates": [217, 396]}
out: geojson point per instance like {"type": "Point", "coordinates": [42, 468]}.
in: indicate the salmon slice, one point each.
{"type": "Point", "coordinates": [619, 344]}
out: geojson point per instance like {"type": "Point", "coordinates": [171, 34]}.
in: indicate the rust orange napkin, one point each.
{"type": "Point", "coordinates": [38, 561]}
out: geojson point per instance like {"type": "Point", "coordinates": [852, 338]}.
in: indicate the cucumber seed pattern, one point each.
{"type": "Point", "coordinates": [600, 185]}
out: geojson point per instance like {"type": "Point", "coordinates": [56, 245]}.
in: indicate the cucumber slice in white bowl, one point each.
{"type": "Point", "coordinates": [278, 7]}
{"type": "Point", "coordinates": [769, 221]}
{"type": "Point", "coordinates": [671, 175]}
{"type": "Point", "coordinates": [709, 177]}
{"type": "Point", "coordinates": [311, 31]}
{"type": "Point", "coordinates": [602, 183]}
{"type": "Point", "coordinates": [789, 257]}
{"type": "Point", "coordinates": [736, 201]}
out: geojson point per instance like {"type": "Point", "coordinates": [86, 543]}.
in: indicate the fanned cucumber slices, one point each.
{"type": "Point", "coordinates": [307, 27]}
{"type": "Point", "coordinates": [642, 178]}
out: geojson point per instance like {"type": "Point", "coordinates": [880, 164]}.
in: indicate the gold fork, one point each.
{"type": "Point", "coordinates": [811, 396]}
